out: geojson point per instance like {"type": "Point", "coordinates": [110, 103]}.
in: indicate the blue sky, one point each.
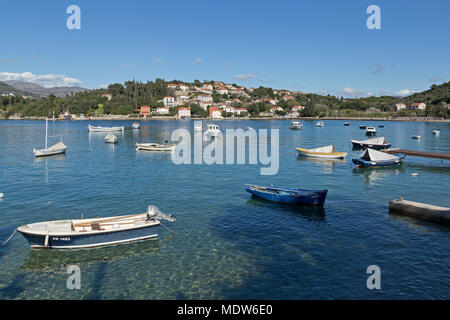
{"type": "Point", "coordinates": [311, 46]}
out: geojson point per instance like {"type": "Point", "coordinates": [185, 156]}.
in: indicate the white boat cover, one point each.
{"type": "Point", "coordinates": [374, 155]}
{"type": "Point", "coordinates": [58, 146]}
{"type": "Point", "coordinates": [110, 136]}
{"type": "Point", "coordinates": [325, 149]}
{"type": "Point", "coordinates": [380, 140]}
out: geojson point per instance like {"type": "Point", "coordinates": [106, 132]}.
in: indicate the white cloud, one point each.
{"type": "Point", "coordinates": [354, 93]}
{"type": "Point", "coordinates": [404, 92]}
{"type": "Point", "coordinates": [198, 61]}
{"type": "Point", "coordinates": [45, 80]}
{"type": "Point", "coordinates": [244, 77]}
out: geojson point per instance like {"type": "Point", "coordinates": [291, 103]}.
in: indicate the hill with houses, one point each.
{"type": "Point", "coordinates": [217, 99]}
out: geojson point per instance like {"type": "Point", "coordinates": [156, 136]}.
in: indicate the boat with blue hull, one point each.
{"type": "Point", "coordinates": [372, 158]}
{"type": "Point", "coordinates": [88, 233]}
{"type": "Point", "coordinates": [288, 196]}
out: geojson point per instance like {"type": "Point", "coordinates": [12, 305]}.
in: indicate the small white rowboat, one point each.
{"type": "Point", "coordinates": [110, 138]}
{"type": "Point", "coordinates": [105, 129]}
{"type": "Point", "coordinates": [155, 147]}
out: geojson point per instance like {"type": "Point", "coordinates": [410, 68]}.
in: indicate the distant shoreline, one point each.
{"type": "Point", "coordinates": [127, 118]}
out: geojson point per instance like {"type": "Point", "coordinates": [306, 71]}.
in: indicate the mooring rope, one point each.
{"type": "Point", "coordinates": [10, 237]}
{"type": "Point", "coordinates": [167, 227]}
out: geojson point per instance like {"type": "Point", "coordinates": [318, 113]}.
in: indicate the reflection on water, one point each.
{"type": "Point", "coordinates": [373, 175]}
{"type": "Point", "coordinates": [51, 260]}
{"type": "Point", "coordinates": [316, 213]}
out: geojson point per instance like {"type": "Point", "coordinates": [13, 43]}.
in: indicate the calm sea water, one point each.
{"type": "Point", "coordinates": [226, 245]}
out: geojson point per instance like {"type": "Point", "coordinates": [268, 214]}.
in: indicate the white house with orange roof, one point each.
{"type": "Point", "coordinates": [169, 102]}
{"type": "Point", "coordinates": [162, 111]}
{"type": "Point", "coordinates": [239, 111]}
{"type": "Point", "coordinates": [297, 108]}
{"type": "Point", "coordinates": [215, 113]}
{"type": "Point", "coordinates": [184, 112]}
{"type": "Point", "coordinates": [275, 109]}
{"type": "Point", "coordinates": [418, 106]}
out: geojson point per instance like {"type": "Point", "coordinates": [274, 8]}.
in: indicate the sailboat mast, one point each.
{"type": "Point", "coordinates": [46, 132]}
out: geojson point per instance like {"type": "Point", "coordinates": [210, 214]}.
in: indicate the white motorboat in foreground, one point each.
{"type": "Point", "coordinates": [111, 138]}
{"type": "Point", "coordinates": [212, 130]}
{"type": "Point", "coordinates": [155, 147]}
{"type": "Point", "coordinates": [106, 129]}
{"type": "Point", "coordinates": [58, 148]}
{"type": "Point", "coordinates": [87, 233]}
{"type": "Point", "coordinates": [295, 125]}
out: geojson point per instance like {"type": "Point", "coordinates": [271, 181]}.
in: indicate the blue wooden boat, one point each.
{"type": "Point", "coordinates": [289, 196]}
{"type": "Point", "coordinates": [372, 158]}
{"type": "Point", "coordinates": [87, 233]}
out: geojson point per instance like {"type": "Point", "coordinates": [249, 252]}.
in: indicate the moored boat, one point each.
{"type": "Point", "coordinates": [371, 131]}
{"type": "Point", "coordinates": [155, 147]}
{"type": "Point", "coordinates": [295, 125]}
{"type": "Point", "coordinates": [346, 124]}
{"type": "Point", "coordinates": [111, 138]}
{"type": "Point", "coordinates": [87, 233]}
{"type": "Point", "coordinates": [135, 125]}
{"type": "Point", "coordinates": [363, 126]}
{"type": "Point", "coordinates": [374, 143]}
{"type": "Point", "coordinates": [416, 137]}
{"type": "Point", "coordinates": [288, 196]}
{"type": "Point", "coordinates": [320, 124]}
{"type": "Point", "coordinates": [58, 148]}
{"type": "Point", "coordinates": [212, 131]}
{"type": "Point", "coordinates": [372, 158]}
{"type": "Point", "coordinates": [327, 152]}
{"type": "Point", "coordinates": [436, 132]}
{"type": "Point", "coordinates": [105, 129]}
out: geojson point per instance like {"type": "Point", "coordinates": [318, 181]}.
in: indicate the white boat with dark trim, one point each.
{"type": "Point", "coordinates": [436, 132]}
{"type": "Point", "coordinates": [87, 233]}
{"type": "Point", "coordinates": [371, 131]}
{"type": "Point", "coordinates": [58, 148]}
{"type": "Point", "coordinates": [111, 138]}
{"type": "Point", "coordinates": [155, 147]}
{"type": "Point", "coordinates": [105, 129]}
{"type": "Point", "coordinates": [212, 131]}
{"type": "Point", "coordinates": [296, 125]}
{"type": "Point", "coordinates": [374, 143]}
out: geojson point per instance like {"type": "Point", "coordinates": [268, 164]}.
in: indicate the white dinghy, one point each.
{"type": "Point", "coordinates": [58, 148]}
{"type": "Point", "coordinates": [105, 129]}
{"type": "Point", "coordinates": [111, 138]}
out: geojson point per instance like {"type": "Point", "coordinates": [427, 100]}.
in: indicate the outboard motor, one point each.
{"type": "Point", "coordinates": [154, 213]}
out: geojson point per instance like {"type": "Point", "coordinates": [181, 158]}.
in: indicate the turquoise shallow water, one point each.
{"type": "Point", "coordinates": [227, 245]}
